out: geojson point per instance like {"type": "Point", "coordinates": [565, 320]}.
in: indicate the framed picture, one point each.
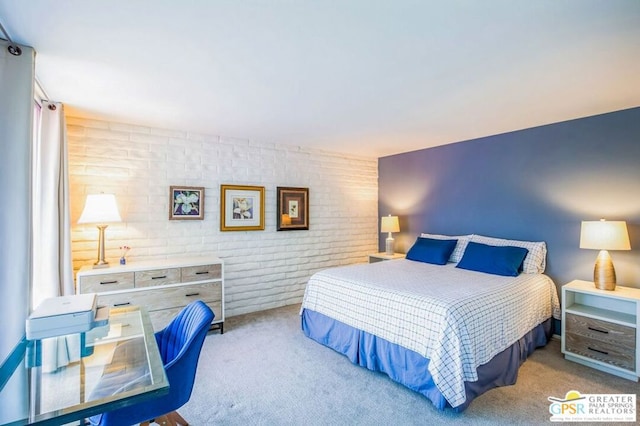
{"type": "Point", "coordinates": [186, 202]}
{"type": "Point", "coordinates": [293, 208]}
{"type": "Point", "coordinates": [241, 208]}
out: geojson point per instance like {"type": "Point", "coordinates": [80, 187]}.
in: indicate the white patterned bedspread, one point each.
{"type": "Point", "coordinates": [459, 319]}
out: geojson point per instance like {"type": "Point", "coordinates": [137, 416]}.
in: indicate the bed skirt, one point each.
{"type": "Point", "coordinates": [410, 368]}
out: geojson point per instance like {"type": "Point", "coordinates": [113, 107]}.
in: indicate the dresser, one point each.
{"type": "Point", "coordinates": [600, 328]}
{"type": "Point", "coordinates": [163, 287]}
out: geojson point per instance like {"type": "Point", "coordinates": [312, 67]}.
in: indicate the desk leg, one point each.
{"type": "Point", "coordinates": [34, 377]}
{"type": "Point", "coordinates": [83, 345]}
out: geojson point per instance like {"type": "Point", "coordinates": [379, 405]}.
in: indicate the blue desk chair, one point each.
{"type": "Point", "coordinates": [180, 344]}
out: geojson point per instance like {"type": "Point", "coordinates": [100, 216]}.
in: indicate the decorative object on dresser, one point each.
{"type": "Point", "coordinates": [600, 328]}
{"type": "Point", "coordinates": [389, 224]}
{"type": "Point", "coordinates": [123, 258]}
{"type": "Point", "coordinates": [604, 235]}
{"type": "Point", "coordinates": [100, 209]}
{"type": "Point", "coordinates": [383, 256]}
{"type": "Point", "coordinates": [292, 209]}
{"type": "Point", "coordinates": [186, 202]}
{"type": "Point", "coordinates": [241, 208]}
{"type": "Point", "coordinates": [163, 287]}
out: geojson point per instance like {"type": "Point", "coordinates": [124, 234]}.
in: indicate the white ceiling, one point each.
{"type": "Point", "coordinates": [364, 77]}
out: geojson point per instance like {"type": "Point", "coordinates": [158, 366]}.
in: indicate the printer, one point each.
{"type": "Point", "coordinates": [58, 316]}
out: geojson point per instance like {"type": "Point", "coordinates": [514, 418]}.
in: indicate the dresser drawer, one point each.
{"type": "Point", "coordinates": [160, 319]}
{"type": "Point", "coordinates": [603, 331]}
{"type": "Point", "coordinates": [157, 277]}
{"type": "Point", "coordinates": [620, 356]}
{"type": "Point", "coordinates": [199, 273]}
{"type": "Point", "coordinates": [119, 299]}
{"type": "Point", "coordinates": [128, 324]}
{"type": "Point", "coordinates": [183, 295]}
{"type": "Point", "coordinates": [163, 298]}
{"type": "Point", "coordinates": [106, 282]}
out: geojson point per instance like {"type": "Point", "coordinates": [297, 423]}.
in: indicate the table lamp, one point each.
{"type": "Point", "coordinates": [100, 209]}
{"type": "Point", "coordinates": [604, 235]}
{"type": "Point", "coordinates": [389, 224]}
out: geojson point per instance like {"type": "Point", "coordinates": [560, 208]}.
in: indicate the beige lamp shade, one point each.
{"type": "Point", "coordinates": [604, 235]}
{"type": "Point", "coordinates": [100, 208]}
{"type": "Point", "coordinates": [389, 224]}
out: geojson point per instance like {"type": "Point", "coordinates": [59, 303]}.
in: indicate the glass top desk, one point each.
{"type": "Point", "coordinates": [103, 369]}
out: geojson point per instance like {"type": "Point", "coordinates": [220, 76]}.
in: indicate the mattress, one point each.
{"type": "Point", "coordinates": [457, 319]}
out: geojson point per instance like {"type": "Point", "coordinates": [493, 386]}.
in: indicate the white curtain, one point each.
{"type": "Point", "coordinates": [16, 112]}
{"type": "Point", "coordinates": [52, 267]}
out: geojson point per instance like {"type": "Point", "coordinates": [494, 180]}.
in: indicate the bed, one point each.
{"type": "Point", "coordinates": [446, 331]}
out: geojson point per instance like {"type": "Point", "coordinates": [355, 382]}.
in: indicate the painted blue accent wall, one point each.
{"type": "Point", "coordinates": [534, 184]}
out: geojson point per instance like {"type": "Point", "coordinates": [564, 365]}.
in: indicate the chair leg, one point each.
{"type": "Point", "coordinates": [163, 421]}
{"type": "Point", "coordinates": [177, 419]}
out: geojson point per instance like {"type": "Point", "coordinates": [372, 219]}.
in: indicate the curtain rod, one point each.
{"type": "Point", "coordinates": [13, 48]}
{"type": "Point", "coordinates": [5, 33]}
{"type": "Point", "coordinates": [40, 88]}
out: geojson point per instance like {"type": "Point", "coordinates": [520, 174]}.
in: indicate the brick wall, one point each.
{"type": "Point", "coordinates": [264, 269]}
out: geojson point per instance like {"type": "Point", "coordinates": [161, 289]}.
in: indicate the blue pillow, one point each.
{"type": "Point", "coordinates": [430, 250]}
{"type": "Point", "coordinates": [505, 260]}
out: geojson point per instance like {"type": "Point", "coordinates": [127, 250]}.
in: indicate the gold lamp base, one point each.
{"type": "Point", "coordinates": [101, 263]}
{"type": "Point", "coordinates": [604, 274]}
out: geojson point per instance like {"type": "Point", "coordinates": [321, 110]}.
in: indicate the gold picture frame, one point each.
{"type": "Point", "coordinates": [241, 208]}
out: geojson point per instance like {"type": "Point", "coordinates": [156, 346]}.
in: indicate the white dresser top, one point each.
{"type": "Point", "coordinates": [178, 262]}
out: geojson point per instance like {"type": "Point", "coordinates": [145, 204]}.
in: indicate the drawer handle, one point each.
{"type": "Point", "coordinates": [202, 273]}
{"type": "Point", "coordinates": [598, 350]}
{"type": "Point", "coordinates": [159, 278]}
{"type": "Point", "coordinates": [122, 304]}
{"type": "Point", "coordinates": [598, 330]}
{"type": "Point", "coordinates": [191, 294]}
{"type": "Point", "coordinates": [108, 282]}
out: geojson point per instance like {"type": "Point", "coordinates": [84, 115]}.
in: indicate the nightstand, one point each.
{"type": "Point", "coordinates": [382, 256]}
{"type": "Point", "coordinates": [600, 328]}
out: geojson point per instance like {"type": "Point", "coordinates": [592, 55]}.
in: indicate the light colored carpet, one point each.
{"type": "Point", "coordinates": [264, 371]}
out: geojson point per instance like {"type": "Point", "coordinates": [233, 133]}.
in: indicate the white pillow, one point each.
{"type": "Point", "coordinates": [461, 245]}
{"type": "Point", "coordinates": [534, 263]}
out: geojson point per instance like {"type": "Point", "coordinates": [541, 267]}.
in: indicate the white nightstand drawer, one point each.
{"type": "Point", "coordinates": [613, 354]}
{"type": "Point", "coordinates": [603, 331]}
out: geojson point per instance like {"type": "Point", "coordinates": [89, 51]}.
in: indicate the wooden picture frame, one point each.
{"type": "Point", "coordinates": [241, 208]}
{"type": "Point", "coordinates": [293, 209]}
{"type": "Point", "coordinates": [186, 203]}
